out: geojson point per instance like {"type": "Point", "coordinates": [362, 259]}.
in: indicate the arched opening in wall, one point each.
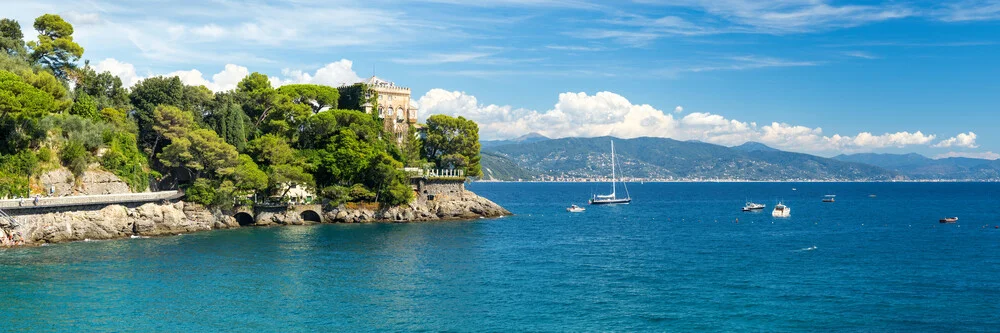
{"type": "Point", "coordinates": [243, 219]}
{"type": "Point", "coordinates": [310, 216]}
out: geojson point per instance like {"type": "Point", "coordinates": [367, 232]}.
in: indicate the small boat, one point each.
{"type": "Point", "coordinates": [780, 210]}
{"type": "Point", "coordinates": [608, 199]}
{"type": "Point", "coordinates": [750, 206]}
{"type": "Point", "coordinates": [872, 195]}
{"type": "Point", "coordinates": [829, 198]}
{"type": "Point", "coordinates": [575, 209]}
{"type": "Point", "coordinates": [794, 189]}
{"type": "Point", "coordinates": [949, 220]}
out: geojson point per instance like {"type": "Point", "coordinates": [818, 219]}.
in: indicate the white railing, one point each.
{"type": "Point", "coordinates": [433, 173]}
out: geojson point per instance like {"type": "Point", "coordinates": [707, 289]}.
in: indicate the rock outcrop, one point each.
{"type": "Point", "coordinates": [90, 183]}
{"type": "Point", "coordinates": [116, 221]}
{"type": "Point", "coordinates": [462, 205]}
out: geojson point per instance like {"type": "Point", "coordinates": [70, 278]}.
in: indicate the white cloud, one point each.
{"type": "Point", "coordinates": [211, 31]}
{"type": "Point", "coordinates": [223, 81]}
{"type": "Point", "coordinates": [966, 140]}
{"type": "Point", "coordinates": [77, 18]}
{"type": "Point", "coordinates": [442, 58]}
{"type": "Point", "coordinates": [970, 10]}
{"type": "Point", "coordinates": [334, 74]}
{"type": "Point", "coordinates": [678, 109]}
{"type": "Point", "coordinates": [125, 71]}
{"type": "Point", "coordinates": [986, 155]}
{"type": "Point", "coordinates": [861, 54]}
{"type": "Point", "coordinates": [790, 16]}
{"type": "Point", "coordinates": [607, 113]}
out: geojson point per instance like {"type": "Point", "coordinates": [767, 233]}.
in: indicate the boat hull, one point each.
{"type": "Point", "coordinates": [782, 212]}
{"type": "Point", "coordinates": [609, 201]}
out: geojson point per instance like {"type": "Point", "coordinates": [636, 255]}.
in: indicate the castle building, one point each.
{"type": "Point", "coordinates": [391, 102]}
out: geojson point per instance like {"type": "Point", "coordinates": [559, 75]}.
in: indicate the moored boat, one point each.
{"type": "Point", "coordinates": [750, 206]}
{"type": "Point", "coordinates": [608, 199]}
{"type": "Point", "coordinates": [780, 210]}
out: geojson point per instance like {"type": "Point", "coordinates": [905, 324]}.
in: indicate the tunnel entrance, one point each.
{"type": "Point", "coordinates": [310, 216]}
{"type": "Point", "coordinates": [244, 219]}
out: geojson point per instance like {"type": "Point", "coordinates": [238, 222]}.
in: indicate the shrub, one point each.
{"type": "Point", "coordinates": [45, 154]}
{"type": "Point", "coordinates": [202, 191]}
{"type": "Point", "coordinates": [359, 192]}
{"type": "Point", "coordinates": [124, 159]}
{"type": "Point", "coordinates": [75, 157]}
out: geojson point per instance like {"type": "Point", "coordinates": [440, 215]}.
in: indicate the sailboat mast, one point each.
{"type": "Point", "coordinates": [613, 177]}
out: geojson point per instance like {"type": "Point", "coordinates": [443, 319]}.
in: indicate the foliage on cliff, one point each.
{"type": "Point", "coordinates": [453, 143]}
{"type": "Point", "coordinates": [254, 141]}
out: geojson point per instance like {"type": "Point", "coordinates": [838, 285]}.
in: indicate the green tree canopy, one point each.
{"type": "Point", "coordinates": [315, 96]}
{"type": "Point", "coordinates": [453, 143]}
{"type": "Point", "coordinates": [22, 106]}
{"type": "Point", "coordinates": [55, 48]}
{"type": "Point", "coordinates": [201, 153]}
{"type": "Point", "coordinates": [11, 38]}
{"type": "Point", "coordinates": [85, 106]}
{"type": "Point", "coordinates": [258, 97]}
{"type": "Point", "coordinates": [146, 96]}
{"type": "Point", "coordinates": [228, 119]}
{"type": "Point", "coordinates": [285, 167]}
{"type": "Point", "coordinates": [105, 88]}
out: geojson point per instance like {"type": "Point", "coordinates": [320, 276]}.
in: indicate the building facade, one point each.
{"type": "Point", "coordinates": [391, 103]}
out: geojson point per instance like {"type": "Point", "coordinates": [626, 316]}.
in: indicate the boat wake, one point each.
{"type": "Point", "coordinates": [811, 248]}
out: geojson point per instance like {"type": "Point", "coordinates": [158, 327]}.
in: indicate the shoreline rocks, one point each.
{"type": "Point", "coordinates": [171, 218]}
{"type": "Point", "coordinates": [464, 205]}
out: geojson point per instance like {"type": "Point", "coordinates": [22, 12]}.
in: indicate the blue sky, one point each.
{"type": "Point", "coordinates": [823, 77]}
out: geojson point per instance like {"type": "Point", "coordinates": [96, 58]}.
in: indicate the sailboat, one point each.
{"type": "Point", "coordinates": [606, 199]}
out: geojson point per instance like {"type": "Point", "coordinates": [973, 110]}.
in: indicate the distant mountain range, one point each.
{"type": "Point", "coordinates": [667, 159]}
{"type": "Point", "coordinates": [535, 157]}
{"type": "Point", "coordinates": [527, 138]}
{"type": "Point", "coordinates": [916, 166]}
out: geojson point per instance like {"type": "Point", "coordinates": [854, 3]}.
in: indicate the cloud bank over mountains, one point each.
{"type": "Point", "coordinates": [579, 114]}
{"type": "Point", "coordinates": [607, 113]}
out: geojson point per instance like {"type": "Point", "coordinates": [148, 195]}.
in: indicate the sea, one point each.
{"type": "Point", "coordinates": [682, 257]}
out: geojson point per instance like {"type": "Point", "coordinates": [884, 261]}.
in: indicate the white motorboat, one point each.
{"type": "Point", "coordinates": [750, 206]}
{"type": "Point", "coordinates": [780, 210]}
{"type": "Point", "coordinates": [575, 209]}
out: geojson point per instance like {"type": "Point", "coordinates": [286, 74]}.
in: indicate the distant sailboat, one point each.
{"type": "Point", "coordinates": [612, 198]}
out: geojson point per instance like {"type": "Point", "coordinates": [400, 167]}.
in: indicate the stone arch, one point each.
{"type": "Point", "coordinates": [244, 219]}
{"type": "Point", "coordinates": [311, 216]}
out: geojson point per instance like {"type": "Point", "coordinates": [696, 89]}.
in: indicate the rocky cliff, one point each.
{"type": "Point", "coordinates": [91, 182]}
{"type": "Point", "coordinates": [114, 221]}
{"type": "Point", "coordinates": [436, 200]}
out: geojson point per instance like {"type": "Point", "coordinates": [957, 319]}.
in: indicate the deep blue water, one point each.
{"type": "Point", "coordinates": [674, 260]}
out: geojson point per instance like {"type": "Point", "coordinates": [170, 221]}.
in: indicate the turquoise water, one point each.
{"type": "Point", "coordinates": [674, 260]}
